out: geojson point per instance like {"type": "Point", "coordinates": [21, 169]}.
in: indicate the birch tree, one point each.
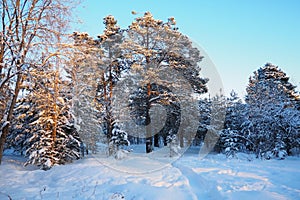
{"type": "Point", "coordinates": [28, 39]}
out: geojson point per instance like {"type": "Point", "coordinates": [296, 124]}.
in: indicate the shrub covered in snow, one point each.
{"type": "Point", "coordinates": [117, 141]}
{"type": "Point", "coordinates": [173, 145]}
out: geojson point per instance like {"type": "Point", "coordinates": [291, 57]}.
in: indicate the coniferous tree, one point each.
{"type": "Point", "coordinates": [53, 138]}
{"type": "Point", "coordinates": [84, 71]}
{"type": "Point", "coordinates": [173, 144]}
{"type": "Point", "coordinates": [153, 47]}
{"type": "Point", "coordinates": [267, 77]}
{"type": "Point", "coordinates": [163, 47]}
{"type": "Point", "coordinates": [204, 120]}
{"type": "Point", "coordinates": [118, 140]}
{"type": "Point", "coordinates": [216, 123]}
{"type": "Point", "coordinates": [231, 138]}
{"type": "Point", "coordinates": [113, 67]}
{"type": "Point", "coordinates": [98, 68]}
{"type": "Point", "coordinates": [21, 126]}
{"type": "Point", "coordinates": [169, 104]}
{"type": "Point", "coordinates": [28, 33]}
{"type": "Point", "coordinates": [269, 96]}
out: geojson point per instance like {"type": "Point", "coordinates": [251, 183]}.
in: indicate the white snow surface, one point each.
{"type": "Point", "coordinates": [188, 177]}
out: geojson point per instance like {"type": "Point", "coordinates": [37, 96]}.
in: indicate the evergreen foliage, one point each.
{"type": "Point", "coordinates": [53, 119]}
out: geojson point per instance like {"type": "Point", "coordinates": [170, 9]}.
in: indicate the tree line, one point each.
{"type": "Point", "coordinates": [266, 123]}
{"type": "Point", "coordinates": [58, 90]}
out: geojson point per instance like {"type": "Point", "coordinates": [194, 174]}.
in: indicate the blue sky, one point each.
{"type": "Point", "coordinates": [238, 36]}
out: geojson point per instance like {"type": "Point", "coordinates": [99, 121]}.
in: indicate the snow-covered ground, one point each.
{"type": "Point", "coordinates": [154, 177]}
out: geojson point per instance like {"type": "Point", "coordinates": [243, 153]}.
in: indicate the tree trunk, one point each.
{"type": "Point", "coordinates": [2, 140]}
{"type": "Point", "coordinates": [148, 134]}
{"type": "Point", "coordinates": [149, 145]}
{"type": "Point", "coordinates": [110, 121]}
{"type": "Point", "coordinates": [181, 141]}
{"type": "Point", "coordinates": [5, 130]}
{"type": "Point", "coordinates": [156, 140]}
{"type": "Point", "coordinates": [165, 141]}
{"type": "Point", "coordinates": [148, 122]}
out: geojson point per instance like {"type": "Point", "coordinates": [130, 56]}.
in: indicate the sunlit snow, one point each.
{"type": "Point", "coordinates": [214, 177]}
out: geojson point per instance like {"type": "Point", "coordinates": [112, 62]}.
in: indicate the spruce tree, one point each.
{"type": "Point", "coordinates": [29, 37]}
{"type": "Point", "coordinates": [53, 138]}
{"type": "Point", "coordinates": [232, 139]}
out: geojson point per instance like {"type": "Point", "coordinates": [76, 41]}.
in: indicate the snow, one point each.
{"type": "Point", "coordinates": [4, 125]}
{"type": "Point", "coordinates": [153, 177]}
{"type": "Point", "coordinates": [121, 154]}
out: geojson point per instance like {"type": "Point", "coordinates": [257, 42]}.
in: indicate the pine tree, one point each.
{"type": "Point", "coordinates": [269, 96]}
{"type": "Point", "coordinates": [98, 67]}
{"type": "Point", "coordinates": [289, 124]}
{"type": "Point", "coordinates": [84, 72]}
{"type": "Point", "coordinates": [153, 48]}
{"type": "Point", "coordinates": [232, 138]}
{"type": "Point", "coordinates": [122, 54]}
{"type": "Point", "coordinates": [173, 144]}
{"type": "Point", "coordinates": [216, 124]}
{"type": "Point", "coordinates": [118, 140]}
{"type": "Point", "coordinates": [169, 104]}
{"type": "Point", "coordinates": [113, 67]}
{"type": "Point", "coordinates": [267, 77]}
{"type": "Point", "coordinates": [204, 119]}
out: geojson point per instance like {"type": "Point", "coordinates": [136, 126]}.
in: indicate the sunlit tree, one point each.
{"type": "Point", "coordinates": [28, 39]}
{"type": "Point", "coordinates": [153, 47]}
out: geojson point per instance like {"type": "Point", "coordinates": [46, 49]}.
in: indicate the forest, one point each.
{"type": "Point", "coordinates": [65, 94]}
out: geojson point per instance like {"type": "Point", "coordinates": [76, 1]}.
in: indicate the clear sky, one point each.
{"type": "Point", "coordinates": [238, 36]}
